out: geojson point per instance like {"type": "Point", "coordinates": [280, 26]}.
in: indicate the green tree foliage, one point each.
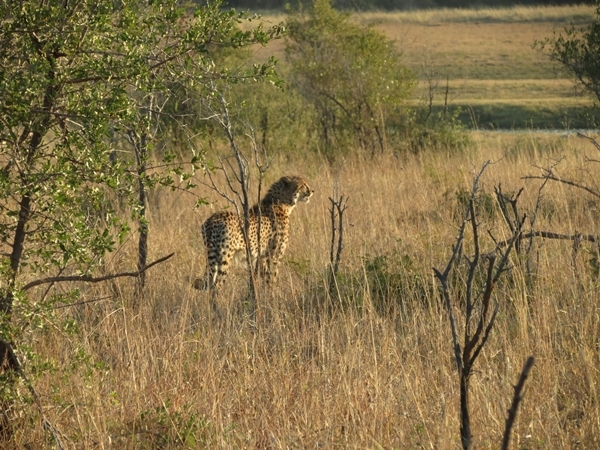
{"type": "Point", "coordinates": [578, 50]}
{"type": "Point", "coordinates": [352, 75]}
{"type": "Point", "coordinates": [73, 77]}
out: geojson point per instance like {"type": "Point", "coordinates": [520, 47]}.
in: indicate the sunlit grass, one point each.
{"type": "Point", "coordinates": [518, 14]}
{"type": "Point", "coordinates": [577, 14]}
{"type": "Point", "coordinates": [316, 371]}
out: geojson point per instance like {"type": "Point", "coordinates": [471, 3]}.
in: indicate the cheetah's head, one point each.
{"type": "Point", "coordinates": [291, 190]}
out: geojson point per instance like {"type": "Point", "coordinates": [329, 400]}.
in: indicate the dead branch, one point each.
{"type": "Point", "coordinates": [589, 138]}
{"type": "Point", "coordinates": [550, 176]}
{"type": "Point", "coordinates": [90, 279]}
{"type": "Point", "coordinates": [517, 397]}
{"type": "Point", "coordinates": [514, 220]}
{"type": "Point", "coordinates": [552, 235]}
{"type": "Point", "coordinates": [456, 255]}
{"type": "Point", "coordinates": [479, 308]}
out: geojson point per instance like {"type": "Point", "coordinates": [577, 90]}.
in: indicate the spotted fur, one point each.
{"type": "Point", "coordinates": [224, 236]}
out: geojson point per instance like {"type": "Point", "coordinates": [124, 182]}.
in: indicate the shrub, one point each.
{"type": "Point", "coordinates": [351, 75]}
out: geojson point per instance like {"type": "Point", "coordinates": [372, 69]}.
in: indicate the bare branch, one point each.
{"type": "Point", "coordinates": [90, 279]}
{"type": "Point", "coordinates": [338, 207]}
{"type": "Point", "coordinates": [512, 412]}
{"type": "Point", "coordinates": [553, 235]}
{"type": "Point", "coordinates": [472, 271]}
{"type": "Point", "coordinates": [471, 342]}
{"type": "Point", "coordinates": [443, 276]}
{"type": "Point", "coordinates": [550, 176]}
{"type": "Point", "coordinates": [219, 191]}
{"type": "Point", "coordinates": [447, 303]}
{"type": "Point", "coordinates": [589, 138]}
{"type": "Point", "coordinates": [485, 336]}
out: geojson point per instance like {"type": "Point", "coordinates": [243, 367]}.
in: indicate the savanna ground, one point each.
{"type": "Point", "coordinates": [371, 365]}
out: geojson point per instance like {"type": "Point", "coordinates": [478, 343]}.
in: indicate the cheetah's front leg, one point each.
{"type": "Point", "coordinates": [275, 253]}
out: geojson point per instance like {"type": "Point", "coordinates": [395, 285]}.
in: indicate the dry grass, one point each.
{"type": "Point", "coordinates": [485, 51]}
{"type": "Point", "coordinates": [528, 14]}
{"type": "Point", "coordinates": [555, 14]}
{"type": "Point", "coordinates": [309, 375]}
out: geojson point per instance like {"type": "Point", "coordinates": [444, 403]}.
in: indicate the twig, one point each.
{"type": "Point", "coordinates": [517, 397]}
{"type": "Point", "coordinates": [90, 279]}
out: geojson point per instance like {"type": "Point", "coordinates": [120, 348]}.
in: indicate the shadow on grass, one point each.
{"type": "Point", "coordinates": [519, 117]}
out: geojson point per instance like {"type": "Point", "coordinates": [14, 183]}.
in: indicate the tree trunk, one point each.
{"type": "Point", "coordinates": [465, 420]}
{"type": "Point", "coordinates": [142, 153]}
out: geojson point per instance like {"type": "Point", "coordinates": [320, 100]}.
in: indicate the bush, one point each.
{"type": "Point", "coordinates": [352, 76]}
{"type": "Point", "coordinates": [421, 131]}
{"type": "Point", "coordinates": [392, 279]}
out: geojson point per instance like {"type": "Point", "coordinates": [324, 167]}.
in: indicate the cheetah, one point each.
{"type": "Point", "coordinates": [223, 233]}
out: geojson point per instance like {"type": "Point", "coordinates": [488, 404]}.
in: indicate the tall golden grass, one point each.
{"type": "Point", "coordinates": [314, 371]}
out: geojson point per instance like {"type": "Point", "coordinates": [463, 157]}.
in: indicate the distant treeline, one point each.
{"type": "Point", "coordinates": [366, 5]}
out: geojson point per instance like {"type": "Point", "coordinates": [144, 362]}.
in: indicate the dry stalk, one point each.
{"type": "Point", "coordinates": [337, 209]}
{"type": "Point", "coordinates": [336, 213]}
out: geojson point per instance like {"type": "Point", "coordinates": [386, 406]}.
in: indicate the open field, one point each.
{"type": "Point", "coordinates": [488, 59]}
{"type": "Point", "coordinates": [372, 368]}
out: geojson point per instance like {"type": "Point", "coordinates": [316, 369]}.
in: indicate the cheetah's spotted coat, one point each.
{"type": "Point", "coordinates": [224, 237]}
